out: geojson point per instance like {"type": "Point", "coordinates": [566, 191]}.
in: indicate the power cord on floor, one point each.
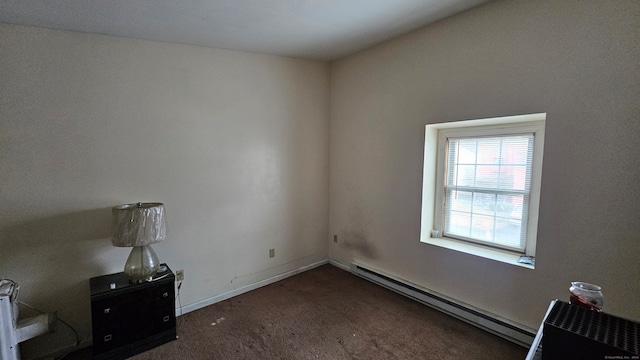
{"type": "Point", "coordinates": [178, 296]}
{"type": "Point", "coordinates": [179, 302]}
{"type": "Point", "coordinates": [75, 346]}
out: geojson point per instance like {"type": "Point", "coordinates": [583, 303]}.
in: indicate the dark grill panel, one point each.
{"type": "Point", "coordinates": [570, 330]}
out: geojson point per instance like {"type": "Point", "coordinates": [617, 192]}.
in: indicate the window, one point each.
{"type": "Point", "coordinates": [481, 184]}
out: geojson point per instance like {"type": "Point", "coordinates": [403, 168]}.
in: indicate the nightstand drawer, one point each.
{"type": "Point", "coordinates": [165, 294]}
{"type": "Point", "coordinates": [108, 338]}
{"type": "Point", "coordinates": [165, 318]}
{"type": "Point", "coordinates": [110, 310]}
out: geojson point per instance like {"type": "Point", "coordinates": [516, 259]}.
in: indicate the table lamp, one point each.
{"type": "Point", "coordinates": [138, 226]}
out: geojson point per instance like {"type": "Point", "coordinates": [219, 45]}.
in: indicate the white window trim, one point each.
{"type": "Point", "coordinates": [431, 213]}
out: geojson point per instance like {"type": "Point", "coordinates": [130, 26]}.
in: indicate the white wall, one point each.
{"type": "Point", "coordinates": [235, 144]}
{"type": "Point", "coordinates": [577, 61]}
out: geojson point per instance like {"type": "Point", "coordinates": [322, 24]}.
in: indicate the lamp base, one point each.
{"type": "Point", "coordinates": [142, 264]}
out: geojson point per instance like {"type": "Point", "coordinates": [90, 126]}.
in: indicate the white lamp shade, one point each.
{"type": "Point", "coordinates": [138, 224]}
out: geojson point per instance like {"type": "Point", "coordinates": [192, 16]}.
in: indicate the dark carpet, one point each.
{"type": "Point", "coordinates": [326, 313]}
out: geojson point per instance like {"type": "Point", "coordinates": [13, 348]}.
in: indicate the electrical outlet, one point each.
{"type": "Point", "coordinates": [180, 275]}
{"type": "Point", "coordinates": [335, 238]}
{"type": "Point", "coordinates": [272, 253]}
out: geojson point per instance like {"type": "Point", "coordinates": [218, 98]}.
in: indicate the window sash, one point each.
{"type": "Point", "coordinates": [501, 229]}
{"type": "Point", "coordinates": [493, 221]}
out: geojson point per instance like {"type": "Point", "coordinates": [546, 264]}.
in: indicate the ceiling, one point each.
{"type": "Point", "coordinates": [311, 29]}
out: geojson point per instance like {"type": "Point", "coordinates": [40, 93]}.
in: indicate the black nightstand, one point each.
{"type": "Point", "coordinates": [128, 319]}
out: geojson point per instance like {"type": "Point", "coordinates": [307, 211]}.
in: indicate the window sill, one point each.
{"type": "Point", "coordinates": [504, 256]}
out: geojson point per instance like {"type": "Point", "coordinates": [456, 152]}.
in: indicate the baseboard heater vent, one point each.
{"type": "Point", "coordinates": [486, 321]}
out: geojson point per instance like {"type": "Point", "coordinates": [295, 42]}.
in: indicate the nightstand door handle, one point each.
{"type": "Point", "coordinates": [166, 318]}
{"type": "Point", "coordinates": [166, 294]}
{"type": "Point", "coordinates": [107, 310]}
{"type": "Point", "coordinates": [107, 338]}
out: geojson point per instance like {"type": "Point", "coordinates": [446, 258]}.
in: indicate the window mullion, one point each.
{"type": "Point", "coordinates": [489, 191]}
{"type": "Point", "coordinates": [495, 209]}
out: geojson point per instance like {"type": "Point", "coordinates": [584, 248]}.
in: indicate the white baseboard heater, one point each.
{"type": "Point", "coordinates": [486, 321]}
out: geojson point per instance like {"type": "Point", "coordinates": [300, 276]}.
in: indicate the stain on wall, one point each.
{"type": "Point", "coordinates": [356, 237]}
{"type": "Point", "coordinates": [358, 243]}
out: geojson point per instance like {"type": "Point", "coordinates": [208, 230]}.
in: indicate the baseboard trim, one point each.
{"type": "Point", "coordinates": [339, 265]}
{"type": "Point", "coordinates": [492, 323]}
{"type": "Point", "coordinates": [221, 297]}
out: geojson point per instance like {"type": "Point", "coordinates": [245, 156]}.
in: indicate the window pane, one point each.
{"type": "Point", "coordinates": [488, 160]}
{"type": "Point", "coordinates": [508, 233]}
{"type": "Point", "coordinates": [509, 206]}
{"type": "Point", "coordinates": [516, 177]}
{"type": "Point", "coordinates": [462, 175]}
{"type": "Point", "coordinates": [458, 223]}
{"type": "Point", "coordinates": [482, 227]}
{"type": "Point", "coordinates": [459, 201]}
